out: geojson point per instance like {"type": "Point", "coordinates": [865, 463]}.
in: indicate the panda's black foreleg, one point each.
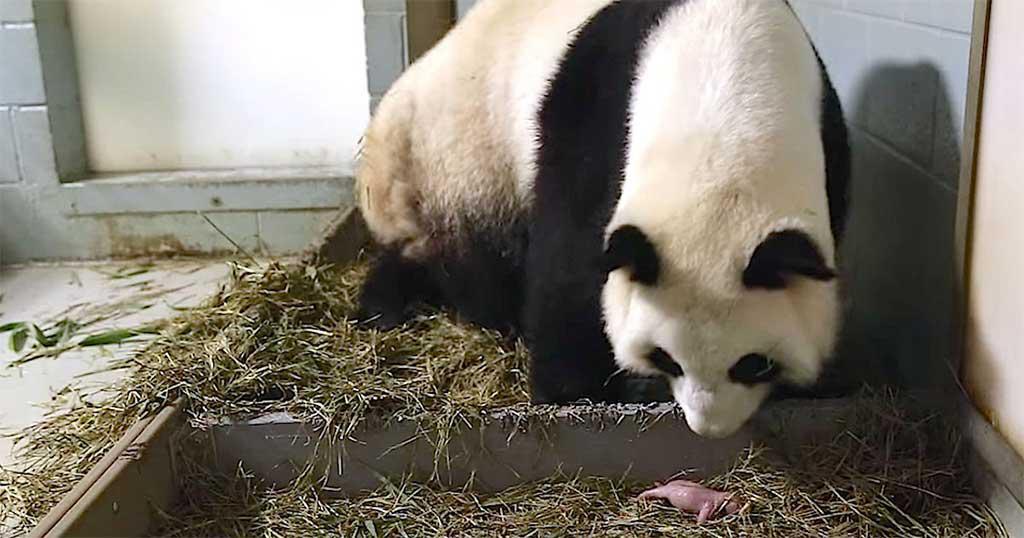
{"type": "Point", "coordinates": [571, 358]}
{"type": "Point", "coordinates": [391, 290]}
{"type": "Point", "coordinates": [566, 364]}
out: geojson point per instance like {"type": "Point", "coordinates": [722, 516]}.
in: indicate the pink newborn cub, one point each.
{"type": "Point", "coordinates": [694, 498]}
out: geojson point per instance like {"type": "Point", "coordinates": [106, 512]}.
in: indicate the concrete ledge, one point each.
{"type": "Point", "coordinates": [516, 445]}
{"type": "Point", "coordinates": [209, 190]}
{"type": "Point", "coordinates": [274, 212]}
{"type": "Point", "coordinates": [998, 471]}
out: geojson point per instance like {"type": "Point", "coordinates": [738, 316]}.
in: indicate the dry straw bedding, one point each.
{"type": "Point", "coordinates": [278, 338]}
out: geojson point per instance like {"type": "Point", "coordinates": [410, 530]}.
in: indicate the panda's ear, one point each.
{"type": "Point", "coordinates": [629, 248]}
{"type": "Point", "coordinates": [783, 255]}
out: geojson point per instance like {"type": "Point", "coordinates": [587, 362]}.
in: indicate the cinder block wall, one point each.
{"type": "Point", "coordinates": [462, 6]}
{"type": "Point", "coordinates": [900, 67]}
{"type": "Point", "coordinates": [25, 149]}
{"type": "Point", "coordinates": [28, 158]}
{"type": "Point", "coordinates": [387, 51]}
{"type": "Point", "coordinates": [398, 32]}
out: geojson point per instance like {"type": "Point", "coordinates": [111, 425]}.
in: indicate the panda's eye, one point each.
{"type": "Point", "coordinates": [754, 368]}
{"type": "Point", "coordinates": [661, 360]}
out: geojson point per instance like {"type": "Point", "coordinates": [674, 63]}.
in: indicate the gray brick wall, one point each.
{"type": "Point", "coordinates": [15, 11]}
{"type": "Point", "coordinates": [900, 67]}
{"type": "Point", "coordinates": [387, 51]}
{"type": "Point", "coordinates": [22, 96]}
{"type": "Point", "coordinates": [462, 7]}
{"type": "Point", "coordinates": [21, 79]}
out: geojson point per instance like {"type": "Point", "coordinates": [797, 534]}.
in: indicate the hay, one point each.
{"type": "Point", "coordinates": [878, 478]}
{"type": "Point", "coordinates": [275, 339]}
{"type": "Point", "coordinates": [278, 339]}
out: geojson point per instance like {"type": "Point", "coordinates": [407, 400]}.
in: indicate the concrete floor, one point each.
{"type": "Point", "coordinates": [124, 294]}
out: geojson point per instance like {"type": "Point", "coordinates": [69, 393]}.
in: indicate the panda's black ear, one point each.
{"type": "Point", "coordinates": [629, 248]}
{"type": "Point", "coordinates": [783, 255]}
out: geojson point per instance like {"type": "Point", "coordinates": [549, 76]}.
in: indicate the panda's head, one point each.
{"type": "Point", "coordinates": [719, 252]}
{"type": "Point", "coordinates": [724, 300]}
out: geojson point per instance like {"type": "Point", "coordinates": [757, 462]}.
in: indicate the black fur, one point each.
{"type": "Point", "coordinates": [834, 139]}
{"type": "Point", "coordinates": [661, 360]}
{"type": "Point", "coordinates": [782, 255]}
{"type": "Point", "coordinates": [480, 279]}
{"type": "Point", "coordinates": [583, 133]}
{"type": "Point", "coordinates": [392, 289]}
{"type": "Point", "coordinates": [836, 145]}
{"type": "Point", "coordinates": [628, 247]}
{"type": "Point", "coordinates": [754, 368]}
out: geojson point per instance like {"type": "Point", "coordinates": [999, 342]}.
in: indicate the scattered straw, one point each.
{"type": "Point", "coordinates": [278, 339]}
{"type": "Point", "coordinates": [875, 479]}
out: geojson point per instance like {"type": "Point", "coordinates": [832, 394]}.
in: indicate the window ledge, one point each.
{"type": "Point", "coordinates": [251, 189]}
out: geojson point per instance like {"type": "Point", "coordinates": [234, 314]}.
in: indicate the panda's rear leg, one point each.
{"type": "Point", "coordinates": [394, 286]}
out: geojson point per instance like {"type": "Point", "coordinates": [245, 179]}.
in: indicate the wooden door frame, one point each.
{"type": "Point", "coordinates": [996, 469]}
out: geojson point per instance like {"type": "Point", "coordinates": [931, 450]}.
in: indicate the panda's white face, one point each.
{"type": "Point", "coordinates": [722, 347]}
{"type": "Point", "coordinates": [719, 255]}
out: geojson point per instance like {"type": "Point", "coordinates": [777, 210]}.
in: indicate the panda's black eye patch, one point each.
{"type": "Point", "coordinates": [754, 368]}
{"type": "Point", "coordinates": [661, 360]}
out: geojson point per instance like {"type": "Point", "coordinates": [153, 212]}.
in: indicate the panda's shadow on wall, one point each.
{"type": "Point", "coordinates": [897, 256]}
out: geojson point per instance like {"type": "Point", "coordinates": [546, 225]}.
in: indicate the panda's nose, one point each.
{"type": "Point", "coordinates": [708, 425]}
{"type": "Point", "coordinates": [708, 429]}
{"type": "Point", "coordinates": [702, 415]}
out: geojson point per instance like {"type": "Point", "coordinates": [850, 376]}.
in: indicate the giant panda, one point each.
{"type": "Point", "coordinates": [638, 187]}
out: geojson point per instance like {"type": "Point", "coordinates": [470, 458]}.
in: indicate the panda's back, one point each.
{"type": "Point", "coordinates": [451, 146]}
{"type": "Point", "coordinates": [455, 144]}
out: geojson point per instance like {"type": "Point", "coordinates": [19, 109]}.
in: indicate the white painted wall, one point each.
{"type": "Point", "coordinates": [994, 364]}
{"type": "Point", "coordinates": [172, 84]}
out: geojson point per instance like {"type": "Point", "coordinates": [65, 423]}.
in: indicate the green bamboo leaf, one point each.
{"type": "Point", "coordinates": [18, 339]}
{"type": "Point", "coordinates": [130, 271]}
{"type": "Point", "coordinates": [43, 339]}
{"type": "Point", "coordinates": [64, 330]}
{"type": "Point", "coordinates": [115, 336]}
{"type": "Point", "coordinates": [11, 326]}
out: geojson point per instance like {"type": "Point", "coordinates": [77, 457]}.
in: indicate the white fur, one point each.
{"type": "Point", "coordinates": [725, 149]}
{"type": "Point", "coordinates": [455, 136]}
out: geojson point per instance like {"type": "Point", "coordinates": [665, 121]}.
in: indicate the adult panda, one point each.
{"type": "Point", "coordinates": [649, 186]}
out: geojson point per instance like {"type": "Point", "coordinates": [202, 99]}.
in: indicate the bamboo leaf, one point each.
{"type": "Point", "coordinates": [18, 339]}
{"type": "Point", "coordinates": [115, 336]}
{"type": "Point", "coordinates": [65, 329]}
{"type": "Point", "coordinates": [130, 271]}
{"type": "Point", "coordinates": [41, 337]}
{"type": "Point", "coordinates": [11, 326]}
